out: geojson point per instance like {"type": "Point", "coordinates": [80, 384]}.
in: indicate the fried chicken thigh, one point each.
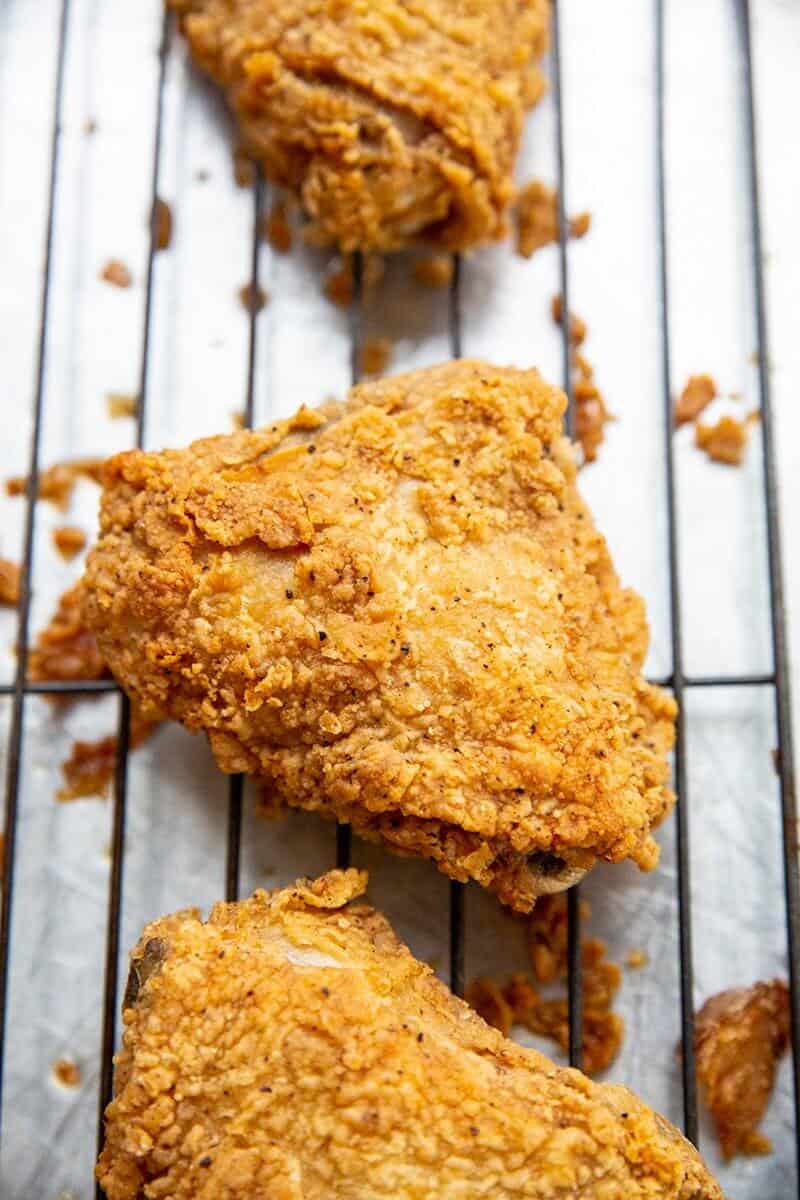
{"type": "Point", "coordinates": [392, 120]}
{"type": "Point", "coordinates": [291, 1048]}
{"type": "Point", "coordinates": [397, 611]}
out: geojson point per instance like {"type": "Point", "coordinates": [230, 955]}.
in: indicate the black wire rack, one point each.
{"type": "Point", "coordinates": [776, 679]}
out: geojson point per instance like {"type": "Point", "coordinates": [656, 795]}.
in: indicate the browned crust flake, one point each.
{"type": "Point", "coordinates": [740, 1037]}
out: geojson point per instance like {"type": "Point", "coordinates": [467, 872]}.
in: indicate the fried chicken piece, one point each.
{"type": "Point", "coordinates": [393, 122]}
{"type": "Point", "coordinates": [740, 1036]}
{"type": "Point", "coordinates": [397, 611]}
{"type": "Point", "coordinates": [292, 1047]}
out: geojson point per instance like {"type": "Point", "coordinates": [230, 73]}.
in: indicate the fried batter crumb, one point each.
{"type": "Point", "coordinates": [591, 413]}
{"type": "Point", "coordinates": [520, 1002]}
{"type": "Point", "coordinates": [65, 649]}
{"type": "Point", "coordinates": [339, 284]}
{"type": "Point", "coordinates": [637, 959]}
{"type": "Point", "coordinates": [162, 224]}
{"type": "Point", "coordinates": [57, 483]}
{"type": "Point", "coordinates": [537, 218]}
{"type": "Point", "coordinates": [10, 574]}
{"type": "Point", "coordinates": [66, 1072]}
{"type": "Point", "coordinates": [238, 418]}
{"type": "Point", "coordinates": [69, 540]}
{"type": "Point", "coordinates": [121, 405]}
{"type": "Point", "coordinates": [740, 1036]}
{"type": "Point", "coordinates": [696, 396]}
{"type": "Point", "coordinates": [253, 298]}
{"type": "Point", "coordinates": [579, 226]}
{"type": "Point", "coordinates": [486, 997]}
{"type": "Point", "coordinates": [376, 354]}
{"type": "Point", "coordinates": [277, 229]}
{"type": "Point", "coordinates": [117, 273]}
{"type": "Point", "coordinates": [89, 770]}
{"type": "Point", "coordinates": [547, 937]}
{"type": "Point", "coordinates": [725, 442]}
{"type": "Point", "coordinates": [577, 330]}
{"type": "Point", "coordinates": [436, 271]}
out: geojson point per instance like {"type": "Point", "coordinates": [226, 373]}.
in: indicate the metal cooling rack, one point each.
{"type": "Point", "coordinates": [775, 680]}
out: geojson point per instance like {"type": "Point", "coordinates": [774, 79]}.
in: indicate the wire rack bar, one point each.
{"type": "Point", "coordinates": [120, 797]}
{"type": "Point", "coordinates": [236, 785]}
{"type": "Point", "coordinates": [678, 682]}
{"type": "Point", "coordinates": [457, 898]}
{"type": "Point", "coordinates": [574, 963]}
{"type": "Point", "coordinates": [344, 834]}
{"type": "Point", "coordinates": [31, 492]}
{"type": "Point", "coordinates": [783, 715]}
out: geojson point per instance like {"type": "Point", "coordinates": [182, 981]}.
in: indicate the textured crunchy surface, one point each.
{"type": "Point", "coordinates": [397, 612]}
{"type": "Point", "coordinates": [292, 1049]}
{"type": "Point", "coordinates": [393, 120]}
{"type": "Point", "coordinates": [740, 1036]}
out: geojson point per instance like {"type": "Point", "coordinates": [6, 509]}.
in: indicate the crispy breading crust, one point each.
{"type": "Point", "coordinates": [397, 612]}
{"type": "Point", "coordinates": [292, 1049]}
{"type": "Point", "coordinates": [393, 120]}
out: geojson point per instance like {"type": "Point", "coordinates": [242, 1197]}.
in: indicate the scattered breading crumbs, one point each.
{"type": "Point", "coordinates": [121, 405]}
{"type": "Point", "coordinates": [697, 394]}
{"type": "Point", "coordinates": [740, 1036]}
{"type": "Point", "coordinates": [591, 413]}
{"type": "Point", "coordinates": [577, 328]}
{"type": "Point", "coordinates": [277, 229]}
{"type": "Point", "coordinates": [435, 271]}
{"type": "Point", "coordinates": [636, 959]}
{"type": "Point", "coordinates": [69, 540]}
{"type": "Point", "coordinates": [726, 441]}
{"type": "Point", "coordinates": [537, 218]}
{"type": "Point", "coordinates": [548, 932]}
{"type": "Point", "coordinates": [90, 126]}
{"type": "Point", "coordinates": [238, 418]}
{"type": "Point", "coordinates": [520, 1002]}
{"type": "Point", "coordinates": [66, 1072]}
{"type": "Point", "coordinates": [10, 575]}
{"type": "Point", "coordinates": [117, 273]}
{"type": "Point", "coordinates": [486, 997]}
{"type": "Point", "coordinates": [339, 285]}
{"type": "Point", "coordinates": [253, 298]}
{"type": "Point", "coordinates": [89, 770]}
{"type": "Point", "coordinates": [376, 354]}
{"type": "Point", "coordinates": [57, 483]}
{"type": "Point", "coordinates": [64, 649]}
{"type": "Point", "coordinates": [162, 224]}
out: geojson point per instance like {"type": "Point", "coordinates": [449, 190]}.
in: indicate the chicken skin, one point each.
{"type": "Point", "coordinates": [394, 121]}
{"type": "Point", "coordinates": [291, 1048]}
{"type": "Point", "coordinates": [396, 611]}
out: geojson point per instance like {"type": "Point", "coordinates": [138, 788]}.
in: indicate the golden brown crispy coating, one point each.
{"type": "Point", "coordinates": [292, 1049]}
{"type": "Point", "coordinates": [393, 120]}
{"type": "Point", "coordinates": [740, 1037]}
{"type": "Point", "coordinates": [397, 612]}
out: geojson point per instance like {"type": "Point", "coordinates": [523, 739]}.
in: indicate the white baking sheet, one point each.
{"type": "Point", "coordinates": [196, 379]}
